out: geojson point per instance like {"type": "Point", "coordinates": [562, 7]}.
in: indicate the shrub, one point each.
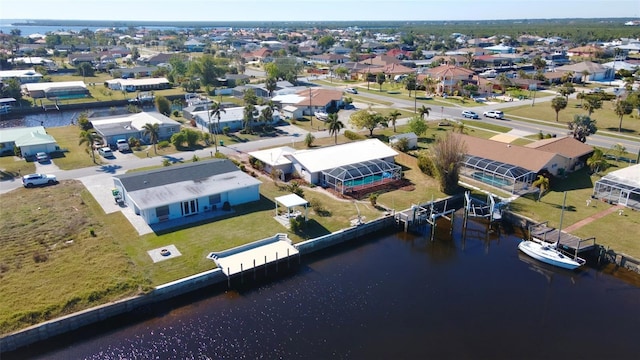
{"type": "Point", "coordinates": [166, 162]}
{"type": "Point", "coordinates": [373, 199]}
{"type": "Point", "coordinates": [176, 113]}
{"type": "Point", "coordinates": [40, 257]}
{"type": "Point", "coordinates": [163, 144]}
{"type": "Point", "coordinates": [352, 135]}
{"type": "Point", "coordinates": [425, 163]}
{"type": "Point", "coordinates": [92, 232]}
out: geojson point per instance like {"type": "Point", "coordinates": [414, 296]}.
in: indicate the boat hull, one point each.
{"type": "Point", "coordinates": [548, 254]}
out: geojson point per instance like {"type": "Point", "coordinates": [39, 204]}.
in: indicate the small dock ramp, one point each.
{"type": "Point", "coordinates": [254, 255]}
{"type": "Point", "coordinates": [566, 241]}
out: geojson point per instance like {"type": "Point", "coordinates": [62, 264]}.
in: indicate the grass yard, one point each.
{"type": "Point", "coordinates": [606, 118]}
{"type": "Point", "coordinates": [12, 167]}
{"type": "Point", "coordinates": [51, 264]}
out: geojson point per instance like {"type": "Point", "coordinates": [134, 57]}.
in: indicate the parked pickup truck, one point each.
{"type": "Point", "coordinates": [123, 145]}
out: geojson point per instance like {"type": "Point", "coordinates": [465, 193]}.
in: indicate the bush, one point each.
{"type": "Point", "coordinates": [163, 144]}
{"type": "Point", "coordinates": [373, 199]}
{"type": "Point", "coordinates": [426, 165]}
{"type": "Point", "coordinates": [166, 162]}
{"type": "Point", "coordinates": [297, 224]}
{"type": "Point", "coordinates": [352, 135]}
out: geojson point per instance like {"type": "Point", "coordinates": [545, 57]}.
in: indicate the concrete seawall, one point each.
{"type": "Point", "coordinates": [48, 329]}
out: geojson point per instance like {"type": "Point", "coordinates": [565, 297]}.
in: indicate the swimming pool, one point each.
{"type": "Point", "coordinates": [367, 180]}
{"type": "Point", "coordinates": [490, 180]}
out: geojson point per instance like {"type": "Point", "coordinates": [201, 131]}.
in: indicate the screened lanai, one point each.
{"type": "Point", "coordinates": [361, 176]}
{"type": "Point", "coordinates": [620, 187]}
{"type": "Point", "coordinates": [507, 177]}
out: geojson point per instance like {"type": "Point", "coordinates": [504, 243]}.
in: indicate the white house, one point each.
{"type": "Point", "coordinates": [132, 125]}
{"type": "Point", "coordinates": [344, 167]}
{"type": "Point", "coordinates": [30, 140]}
{"type": "Point", "coordinates": [231, 118]}
{"type": "Point", "coordinates": [182, 190]}
{"type": "Point", "coordinates": [23, 76]}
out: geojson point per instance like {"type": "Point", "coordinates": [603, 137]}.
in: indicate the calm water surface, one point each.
{"type": "Point", "coordinates": [397, 296]}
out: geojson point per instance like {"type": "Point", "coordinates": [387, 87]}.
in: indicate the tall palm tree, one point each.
{"type": "Point", "coordinates": [424, 110]}
{"type": "Point", "coordinates": [558, 103]}
{"type": "Point", "coordinates": [393, 117]}
{"type": "Point", "coordinates": [216, 112]}
{"type": "Point", "coordinates": [88, 137]}
{"type": "Point", "coordinates": [152, 130]}
{"type": "Point", "coordinates": [623, 107]}
{"type": "Point", "coordinates": [247, 119]}
{"type": "Point", "coordinates": [585, 75]}
{"type": "Point", "coordinates": [335, 125]}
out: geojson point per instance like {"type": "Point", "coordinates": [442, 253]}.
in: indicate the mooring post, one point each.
{"type": "Point", "coordinates": [452, 218]}
{"type": "Point", "coordinates": [241, 275]}
{"type": "Point", "coordinates": [228, 278]}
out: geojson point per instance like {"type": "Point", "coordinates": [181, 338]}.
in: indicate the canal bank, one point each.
{"type": "Point", "coordinates": [165, 292]}
{"type": "Point", "coordinates": [62, 325]}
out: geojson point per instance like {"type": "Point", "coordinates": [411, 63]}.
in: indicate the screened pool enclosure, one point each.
{"type": "Point", "coordinates": [361, 176]}
{"type": "Point", "coordinates": [620, 187]}
{"type": "Point", "coordinates": [511, 178]}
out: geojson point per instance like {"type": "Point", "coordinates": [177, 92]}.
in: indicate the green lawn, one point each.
{"type": "Point", "coordinates": [605, 117]}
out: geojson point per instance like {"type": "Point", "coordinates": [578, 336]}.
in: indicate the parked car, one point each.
{"type": "Point", "coordinates": [470, 114]}
{"type": "Point", "coordinates": [123, 145]}
{"type": "Point", "coordinates": [496, 114]}
{"type": "Point", "coordinates": [105, 152]}
{"type": "Point", "coordinates": [351, 90]}
{"type": "Point", "coordinates": [42, 157]}
{"type": "Point", "coordinates": [32, 180]}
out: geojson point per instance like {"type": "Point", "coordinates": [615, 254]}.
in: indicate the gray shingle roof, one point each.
{"type": "Point", "coordinates": [174, 174]}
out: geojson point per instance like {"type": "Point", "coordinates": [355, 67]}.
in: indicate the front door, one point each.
{"type": "Point", "coordinates": [189, 207]}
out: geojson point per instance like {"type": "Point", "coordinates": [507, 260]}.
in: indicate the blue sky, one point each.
{"type": "Point", "coordinates": [316, 10]}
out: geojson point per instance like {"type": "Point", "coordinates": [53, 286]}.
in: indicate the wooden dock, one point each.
{"type": "Point", "coordinates": [568, 242]}
{"type": "Point", "coordinates": [427, 213]}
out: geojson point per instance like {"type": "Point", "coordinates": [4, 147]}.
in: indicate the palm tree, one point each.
{"type": "Point", "coordinates": [247, 119]}
{"type": "Point", "coordinates": [597, 161]}
{"type": "Point", "coordinates": [152, 130]}
{"type": "Point", "coordinates": [504, 82]}
{"type": "Point", "coordinates": [592, 104]}
{"type": "Point", "coordinates": [380, 79]}
{"type": "Point", "coordinates": [622, 108]}
{"type": "Point", "coordinates": [335, 125]}
{"type": "Point", "coordinates": [558, 103]}
{"type": "Point", "coordinates": [271, 84]}
{"type": "Point", "coordinates": [542, 183]}
{"type": "Point", "coordinates": [582, 126]}
{"type": "Point", "coordinates": [585, 75]}
{"type": "Point", "coordinates": [88, 137]}
{"type": "Point", "coordinates": [216, 111]}
{"type": "Point", "coordinates": [424, 110]}
{"type": "Point", "coordinates": [393, 117]}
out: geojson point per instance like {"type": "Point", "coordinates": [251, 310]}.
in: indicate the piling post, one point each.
{"type": "Point", "coordinates": [265, 265]}
{"type": "Point", "coordinates": [452, 218]}
{"type": "Point", "coordinates": [228, 277]}
{"type": "Point", "coordinates": [241, 274]}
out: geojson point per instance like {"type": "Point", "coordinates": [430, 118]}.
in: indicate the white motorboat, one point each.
{"type": "Point", "coordinates": [549, 254]}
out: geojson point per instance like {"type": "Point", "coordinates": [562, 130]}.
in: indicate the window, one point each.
{"type": "Point", "coordinates": [162, 211]}
{"type": "Point", "coordinates": [214, 199]}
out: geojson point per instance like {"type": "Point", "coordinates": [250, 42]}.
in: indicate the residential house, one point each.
{"type": "Point", "coordinates": [573, 153]}
{"type": "Point", "coordinates": [311, 100]}
{"type": "Point", "coordinates": [23, 76]}
{"type": "Point", "coordinates": [113, 128]}
{"type": "Point", "coordinates": [179, 191]}
{"type": "Point", "coordinates": [56, 90]}
{"type": "Point", "coordinates": [131, 85]}
{"type": "Point", "coordinates": [449, 77]}
{"type": "Point", "coordinates": [30, 141]}
{"type": "Point", "coordinates": [328, 59]}
{"type": "Point", "coordinates": [232, 118]}
{"type": "Point", "coordinates": [593, 71]}
{"type": "Point", "coordinates": [193, 45]}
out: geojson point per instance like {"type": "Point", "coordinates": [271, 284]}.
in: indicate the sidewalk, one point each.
{"type": "Point", "coordinates": [592, 218]}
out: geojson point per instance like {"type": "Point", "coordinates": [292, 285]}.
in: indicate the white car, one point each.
{"type": "Point", "coordinates": [351, 90]}
{"type": "Point", "coordinates": [105, 152]}
{"type": "Point", "coordinates": [32, 180]}
{"type": "Point", "coordinates": [496, 114]}
{"type": "Point", "coordinates": [42, 157]}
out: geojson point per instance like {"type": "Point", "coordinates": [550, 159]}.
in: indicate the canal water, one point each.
{"type": "Point", "coordinates": [468, 295]}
